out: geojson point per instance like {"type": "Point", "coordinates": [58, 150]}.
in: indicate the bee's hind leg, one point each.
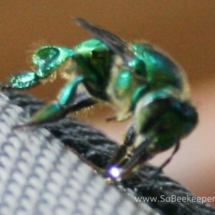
{"type": "Point", "coordinates": [122, 154]}
{"type": "Point", "coordinates": [122, 151]}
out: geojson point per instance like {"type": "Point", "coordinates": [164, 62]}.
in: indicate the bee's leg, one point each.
{"type": "Point", "coordinates": [177, 146]}
{"type": "Point", "coordinates": [133, 154]}
{"type": "Point", "coordinates": [22, 81]}
{"type": "Point", "coordinates": [81, 101]}
{"type": "Point", "coordinates": [47, 59]}
{"type": "Point", "coordinates": [130, 161]}
{"type": "Point", "coordinates": [112, 118]}
{"type": "Point", "coordinates": [121, 160]}
{"type": "Point", "coordinates": [57, 109]}
{"type": "Point", "coordinates": [130, 136]}
{"type": "Point", "coordinates": [122, 153]}
{"type": "Point", "coordinates": [140, 156]}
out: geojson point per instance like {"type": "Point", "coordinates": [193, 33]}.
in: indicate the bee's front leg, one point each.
{"type": "Point", "coordinates": [57, 109]}
{"type": "Point", "coordinates": [24, 80]}
{"type": "Point", "coordinates": [47, 59]}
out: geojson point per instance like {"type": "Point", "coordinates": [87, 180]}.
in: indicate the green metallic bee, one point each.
{"type": "Point", "coordinates": [138, 80]}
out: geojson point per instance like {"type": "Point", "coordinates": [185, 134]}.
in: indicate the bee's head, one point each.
{"type": "Point", "coordinates": [49, 58]}
{"type": "Point", "coordinates": [164, 119]}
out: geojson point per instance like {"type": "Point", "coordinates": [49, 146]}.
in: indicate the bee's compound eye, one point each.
{"type": "Point", "coordinates": [44, 54]}
{"type": "Point", "coordinates": [114, 172]}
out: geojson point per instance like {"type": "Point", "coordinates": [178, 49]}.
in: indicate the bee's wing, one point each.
{"type": "Point", "coordinates": [115, 43]}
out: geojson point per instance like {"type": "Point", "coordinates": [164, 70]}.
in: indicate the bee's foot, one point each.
{"type": "Point", "coordinates": [5, 87]}
{"type": "Point", "coordinates": [24, 125]}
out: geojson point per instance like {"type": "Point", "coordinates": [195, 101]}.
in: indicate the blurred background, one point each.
{"type": "Point", "coordinates": [185, 29]}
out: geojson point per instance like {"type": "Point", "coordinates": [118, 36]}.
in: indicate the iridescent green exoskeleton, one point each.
{"type": "Point", "coordinates": [138, 80]}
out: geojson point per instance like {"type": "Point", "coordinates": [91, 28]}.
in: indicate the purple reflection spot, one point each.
{"type": "Point", "coordinates": [114, 172]}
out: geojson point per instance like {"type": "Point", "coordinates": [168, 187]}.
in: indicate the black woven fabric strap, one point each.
{"type": "Point", "coordinates": [64, 184]}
